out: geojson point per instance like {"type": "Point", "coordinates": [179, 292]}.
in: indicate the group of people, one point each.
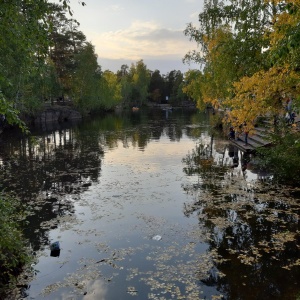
{"type": "Point", "coordinates": [290, 117]}
{"type": "Point", "coordinates": [243, 128]}
{"type": "Point", "coordinates": [290, 114]}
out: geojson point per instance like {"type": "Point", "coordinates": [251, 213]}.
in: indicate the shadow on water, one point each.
{"type": "Point", "coordinates": [106, 185]}
{"type": "Point", "coordinates": [42, 169]}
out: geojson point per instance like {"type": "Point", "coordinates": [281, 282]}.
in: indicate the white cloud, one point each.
{"type": "Point", "coordinates": [194, 16]}
{"type": "Point", "coordinates": [129, 30]}
{"type": "Point", "coordinates": [96, 290]}
{"type": "Point", "coordinates": [141, 40]}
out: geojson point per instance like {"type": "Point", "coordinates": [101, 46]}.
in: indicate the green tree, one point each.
{"type": "Point", "coordinates": [232, 39]}
{"type": "Point", "coordinates": [174, 82]}
{"type": "Point", "coordinates": [140, 78]}
{"type": "Point", "coordinates": [193, 87]}
{"type": "Point", "coordinates": [23, 46]}
{"type": "Point", "coordinates": [126, 85]}
{"type": "Point", "coordinates": [110, 90]}
{"type": "Point", "coordinates": [123, 71]}
{"type": "Point", "coordinates": [157, 87]}
{"type": "Point", "coordinates": [66, 42]}
{"type": "Point", "coordinates": [85, 84]}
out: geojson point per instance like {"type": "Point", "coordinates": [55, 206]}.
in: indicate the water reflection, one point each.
{"type": "Point", "coordinates": [254, 226]}
{"type": "Point", "coordinates": [95, 290]}
{"type": "Point", "coordinates": [106, 186]}
{"type": "Point", "coordinates": [42, 169]}
{"type": "Point", "coordinates": [61, 160]}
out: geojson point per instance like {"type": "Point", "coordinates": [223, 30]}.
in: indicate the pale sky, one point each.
{"type": "Point", "coordinates": [125, 31]}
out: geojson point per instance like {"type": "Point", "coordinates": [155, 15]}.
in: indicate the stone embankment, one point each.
{"type": "Point", "coordinates": [51, 117]}
{"type": "Point", "coordinates": [57, 114]}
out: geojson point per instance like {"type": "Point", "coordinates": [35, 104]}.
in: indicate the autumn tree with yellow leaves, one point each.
{"type": "Point", "coordinates": [249, 57]}
{"type": "Point", "coordinates": [249, 53]}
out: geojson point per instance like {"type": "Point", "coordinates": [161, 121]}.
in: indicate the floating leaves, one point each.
{"type": "Point", "coordinates": [132, 291]}
{"type": "Point", "coordinates": [252, 224]}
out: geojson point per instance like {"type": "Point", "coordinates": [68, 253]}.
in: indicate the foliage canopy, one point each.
{"type": "Point", "coordinates": [249, 51]}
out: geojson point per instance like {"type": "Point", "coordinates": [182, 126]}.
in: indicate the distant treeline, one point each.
{"type": "Point", "coordinates": [44, 57]}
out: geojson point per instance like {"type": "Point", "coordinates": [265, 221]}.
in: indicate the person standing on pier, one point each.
{"type": "Point", "coordinates": [246, 133]}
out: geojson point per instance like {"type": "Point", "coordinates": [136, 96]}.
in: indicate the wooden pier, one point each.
{"type": "Point", "coordinates": [260, 137]}
{"type": "Point", "coordinates": [256, 140]}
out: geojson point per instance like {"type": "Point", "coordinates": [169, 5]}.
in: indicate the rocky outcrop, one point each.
{"type": "Point", "coordinates": [57, 114]}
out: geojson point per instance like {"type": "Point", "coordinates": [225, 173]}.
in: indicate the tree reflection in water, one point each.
{"type": "Point", "coordinates": [253, 229]}
{"type": "Point", "coordinates": [41, 170]}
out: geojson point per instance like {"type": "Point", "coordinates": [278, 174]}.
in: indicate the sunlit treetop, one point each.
{"type": "Point", "coordinates": [250, 53]}
{"type": "Point", "coordinates": [263, 94]}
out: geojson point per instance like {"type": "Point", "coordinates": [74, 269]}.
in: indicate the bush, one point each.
{"type": "Point", "coordinates": [283, 159]}
{"type": "Point", "coordinates": [13, 251]}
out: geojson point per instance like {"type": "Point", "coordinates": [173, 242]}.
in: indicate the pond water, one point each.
{"type": "Point", "coordinates": [150, 205]}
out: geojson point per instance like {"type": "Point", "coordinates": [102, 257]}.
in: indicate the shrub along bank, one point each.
{"type": "Point", "coordinates": [13, 251]}
{"type": "Point", "coordinates": [283, 159]}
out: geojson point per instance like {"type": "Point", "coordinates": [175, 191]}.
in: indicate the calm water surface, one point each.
{"type": "Point", "coordinates": [151, 205]}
